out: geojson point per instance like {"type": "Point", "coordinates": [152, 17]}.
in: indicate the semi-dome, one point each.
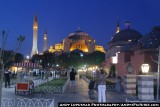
{"type": "Point", "coordinates": [125, 35]}
{"type": "Point", "coordinates": [78, 35]}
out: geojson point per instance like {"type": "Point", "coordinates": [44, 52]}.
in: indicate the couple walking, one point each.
{"type": "Point", "coordinates": [101, 84]}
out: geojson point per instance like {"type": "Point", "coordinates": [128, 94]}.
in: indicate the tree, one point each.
{"type": "Point", "coordinates": [18, 58]}
{"type": "Point", "coordinates": [63, 60]}
{"type": "Point", "coordinates": [75, 59]}
{"type": "Point", "coordinates": [47, 60]}
{"type": "Point", "coordinates": [20, 39]}
{"type": "Point", "coordinates": [95, 58]}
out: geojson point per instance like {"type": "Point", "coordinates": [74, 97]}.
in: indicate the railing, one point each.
{"type": "Point", "coordinates": [40, 82]}
{"type": "Point", "coordinates": [25, 102]}
{"type": "Point", "coordinates": [49, 89]}
{"type": "Point", "coordinates": [110, 87]}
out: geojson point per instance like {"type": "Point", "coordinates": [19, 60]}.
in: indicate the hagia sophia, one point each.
{"type": "Point", "coordinates": [76, 40]}
{"type": "Point", "coordinates": [126, 47]}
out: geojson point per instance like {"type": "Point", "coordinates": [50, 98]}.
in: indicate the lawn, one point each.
{"type": "Point", "coordinates": [52, 85]}
{"type": "Point", "coordinates": [55, 82]}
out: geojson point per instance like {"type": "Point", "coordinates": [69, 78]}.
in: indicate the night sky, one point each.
{"type": "Point", "coordinates": [98, 18]}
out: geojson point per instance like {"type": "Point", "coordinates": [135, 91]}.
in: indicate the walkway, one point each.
{"type": "Point", "coordinates": [83, 94]}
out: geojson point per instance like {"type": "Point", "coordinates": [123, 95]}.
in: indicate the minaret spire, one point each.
{"type": "Point", "coordinates": [45, 40]}
{"type": "Point", "coordinates": [78, 28]}
{"type": "Point", "coordinates": [35, 35]}
{"type": "Point", "coordinates": [117, 27]}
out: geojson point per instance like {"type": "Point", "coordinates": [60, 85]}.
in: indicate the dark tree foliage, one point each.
{"type": "Point", "coordinates": [18, 58]}
{"type": "Point", "coordinates": [75, 59]}
{"type": "Point", "coordinates": [69, 59]}
{"type": "Point", "coordinates": [9, 58]}
{"type": "Point", "coordinates": [95, 58]}
{"type": "Point", "coordinates": [46, 60]}
{"type": "Point", "coordinates": [63, 60]}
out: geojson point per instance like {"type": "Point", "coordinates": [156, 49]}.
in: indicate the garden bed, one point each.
{"type": "Point", "coordinates": [56, 85]}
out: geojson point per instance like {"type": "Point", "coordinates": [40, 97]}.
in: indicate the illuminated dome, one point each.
{"type": "Point", "coordinates": [126, 35]}
{"type": "Point", "coordinates": [79, 35]}
{"type": "Point", "coordinates": [78, 40]}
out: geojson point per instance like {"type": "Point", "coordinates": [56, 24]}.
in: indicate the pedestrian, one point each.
{"type": "Point", "coordinates": [42, 74]}
{"type": "Point", "coordinates": [102, 86]}
{"type": "Point", "coordinates": [7, 78]}
{"type": "Point", "coordinates": [72, 80]}
{"type": "Point", "coordinates": [20, 76]}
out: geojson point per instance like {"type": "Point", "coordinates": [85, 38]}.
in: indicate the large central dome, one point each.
{"type": "Point", "coordinates": [78, 35]}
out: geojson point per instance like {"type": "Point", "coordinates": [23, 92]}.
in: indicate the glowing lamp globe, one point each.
{"type": "Point", "coordinates": [145, 68]}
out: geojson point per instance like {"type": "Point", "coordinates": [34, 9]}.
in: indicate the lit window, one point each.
{"type": "Point", "coordinates": [114, 60]}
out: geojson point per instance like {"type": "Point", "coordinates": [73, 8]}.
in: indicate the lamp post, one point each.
{"type": "Point", "coordinates": [145, 84]}
{"type": "Point", "coordinates": [27, 57]}
{"type": "Point", "coordinates": [145, 68]}
{"type": "Point", "coordinates": [129, 68]}
{"type": "Point", "coordinates": [94, 74]}
{"type": "Point", "coordinates": [158, 74]}
{"type": "Point", "coordinates": [2, 65]}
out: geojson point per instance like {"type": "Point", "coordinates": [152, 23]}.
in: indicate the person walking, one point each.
{"type": "Point", "coordinates": [72, 80]}
{"type": "Point", "coordinates": [102, 86]}
{"type": "Point", "coordinates": [25, 76]}
{"type": "Point", "coordinates": [42, 74]}
{"type": "Point", "coordinates": [7, 78]}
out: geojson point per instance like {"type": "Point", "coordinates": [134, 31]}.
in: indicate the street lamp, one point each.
{"type": "Point", "coordinates": [27, 56]}
{"type": "Point", "coordinates": [129, 68]}
{"type": "Point", "coordinates": [158, 74]}
{"type": "Point", "coordinates": [147, 82]}
{"type": "Point", "coordinates": [145, 68]}
{"type": "Point", "coordinates": [81, 54]}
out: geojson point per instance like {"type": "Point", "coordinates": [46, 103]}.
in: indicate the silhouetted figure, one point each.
{"type": "Point", "coordinates": [42, 74]}
{"type": "Point", "coordinates": [72, 80]}
{"type": "Point", "coordinates": [7, 78]}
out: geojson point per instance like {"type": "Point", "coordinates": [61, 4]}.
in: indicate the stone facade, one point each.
{"type": "Point", "coordinates": [145, 87]}
{"type": "Point", "coordinates": [130, 84]}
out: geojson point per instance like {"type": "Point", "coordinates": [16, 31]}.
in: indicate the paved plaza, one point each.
{"type": "Point", "coordinates": [83, 94]}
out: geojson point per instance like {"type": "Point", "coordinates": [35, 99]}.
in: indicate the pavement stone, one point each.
{"type": "Point", "coordinates": [83, 94]}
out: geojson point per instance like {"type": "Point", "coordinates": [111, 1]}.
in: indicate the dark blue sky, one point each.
{"type": "Point", "coordinates": [98, 18]}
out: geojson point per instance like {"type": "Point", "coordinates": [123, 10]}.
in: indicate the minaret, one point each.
{"type": "Point", "coordinates": [45, 41]}
{"type": "Point", "coordinates": [35, 35]}
{"type": "Point", "coordinates": [118, 28]}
